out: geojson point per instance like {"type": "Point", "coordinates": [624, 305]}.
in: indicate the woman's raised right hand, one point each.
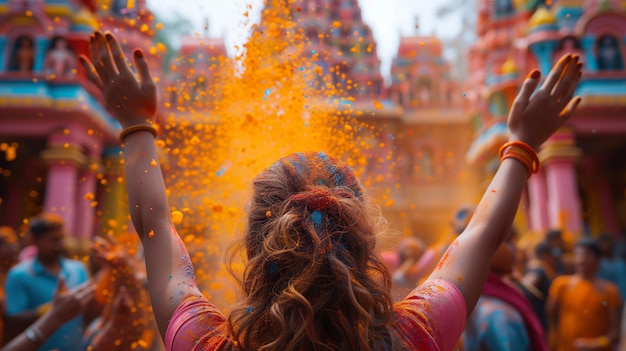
{"type": "Point", "coordinates": [536, 115]}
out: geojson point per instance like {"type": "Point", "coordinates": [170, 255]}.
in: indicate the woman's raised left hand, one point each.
{"type": "Point", "coordinates": [132, 100]}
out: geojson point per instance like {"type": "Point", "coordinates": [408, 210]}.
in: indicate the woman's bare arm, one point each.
{"type": "Point", "coordinates": [133, 102]}
{"type": "Point", "coordinates": [534, 117]}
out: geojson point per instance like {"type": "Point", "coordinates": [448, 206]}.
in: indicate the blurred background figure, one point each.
{"type": "Point", "coordinates": [120, 289]}
{"type": "Point", "coordinates": [9, 250]}
{"type": "Point", "coordinates": [428, 260]}
{"type": "Point", "coordinates": [30, 285]}
{"type": "Point", "coordinates": [535, 284]}
{"type": "Point", "coordinates": [583, 309]}
{"type": "Point", "coordinates": [554, 238]}
{"type": "Point", "coordinates": [65, 306]}
{"type": "Point", "coordinates": [503, 318]}
{"type": "Point", "coordinates": [612, 266]}
{"type": "Point", "coordinates": [410, 250]}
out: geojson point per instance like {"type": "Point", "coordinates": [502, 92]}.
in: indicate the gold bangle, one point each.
{"type": "Point", "coordinates": [137, 128]}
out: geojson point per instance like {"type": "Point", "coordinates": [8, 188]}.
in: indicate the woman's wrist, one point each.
{"type": "Point", "coordinates": [141, 127]}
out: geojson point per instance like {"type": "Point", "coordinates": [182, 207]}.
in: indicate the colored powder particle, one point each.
{"type": "Point", "coordinates": [159, 26]}
{"type": "Point", "coordinates": [144, 28]}
{"type": "Point", "coordinates": [89, 196]}
{"type": "Point", "coordinates": [268, 214]}
{"type": "Point", "coordinates": [153, 163]}
{"type": "Point", "coordinates": [221, 132]}
{"type": "Point", "coordinates": [177, 217]}
{"type": "Point", "coordinates": [336, 24]}
{"type": "Point", "coordinates": [390, 202]}
{"type": "Point", "coordinates": [377, 104]}
{"type": "Point", "coordinates": [161, 47]}
{"type": "Point", "coordinates": [130, 4]}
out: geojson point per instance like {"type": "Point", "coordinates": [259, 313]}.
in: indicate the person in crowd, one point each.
{"type": "Point", "coordinates": [30, 285]}
{"type": "Point", "coordinates": [535, 284]}
{"type": "Point", "coordinates": [431, 256]}
{"type": "Point", "coordinates": [554, 238]}
{"type": "Point", "coordinates": [9, 249]}
{"type": "Point", "coordinates": [65, 306]}
{"type": "Point", "coordinates": [409, 252]}
{"type": "Point", "coordinates": [503, 319]}
{"type": "Point", "coordinates": [129, 318]}
{"type": "Point", "coordinates": [612, 266]}
{"type": "Point", "coordinates": [313, 279]}
{"type": "Point", "coordinates": [584, 310]}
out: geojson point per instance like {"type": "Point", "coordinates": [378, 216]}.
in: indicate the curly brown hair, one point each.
{"type": "Point", "coordinates": [313, 280]}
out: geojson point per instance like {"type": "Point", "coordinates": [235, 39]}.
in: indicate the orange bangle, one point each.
{"type": "Point", "coordinates": [524, 149]}
{"type": "Point", "coordinates": [523, 160]}
{"type": "Point", "coordinates": [137, 128]}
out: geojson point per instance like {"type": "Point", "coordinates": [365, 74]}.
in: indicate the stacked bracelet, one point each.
{"type": "Point", "coordinates": [137, 128]}
{"type": "Point", "coordinates": [522, 152]}
{"type": "Point", "coordinates": [34, 334]}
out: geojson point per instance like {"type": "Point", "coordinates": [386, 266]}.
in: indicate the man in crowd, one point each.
{"type": "Point", "coordinates": [30, 285]}
{"type": "Point", "coordinates": [584, 309]}
{"type": "Point", "coordinates": [503, 319]}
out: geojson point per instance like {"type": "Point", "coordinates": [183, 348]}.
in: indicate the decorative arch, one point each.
{"type": "Point", "coordinates": [601, 23]}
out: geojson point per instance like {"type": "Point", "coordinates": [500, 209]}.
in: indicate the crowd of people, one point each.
{"type": "Point", "coordinates": [313, 279]}
{"type": "Point", "coordinates": [52, 302]}
{"type": "Point", "coordinates": [552, 295]}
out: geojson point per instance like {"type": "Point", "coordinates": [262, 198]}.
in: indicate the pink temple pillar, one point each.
{"type": "Point", "coordinates": [538, 202]}
{"type": "Point", "coordinates": [558, 157]}
{"type": "Point", "coordinates": [86, 194]}
{"type": "Point", "coordinates": [64, 159]}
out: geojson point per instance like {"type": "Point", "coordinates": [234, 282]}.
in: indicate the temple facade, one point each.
{"type": "Point", "coordinates": [346, 48]}
{"type": "Point", "coordinates": [581, 186]}
{"type": "Point", "coordinates": [432, 139]}
{"type": "Point", "coordinates": [59, 145]}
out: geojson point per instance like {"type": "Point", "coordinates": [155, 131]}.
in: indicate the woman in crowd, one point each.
{"type": "Point", "coordinates": [313, 280]}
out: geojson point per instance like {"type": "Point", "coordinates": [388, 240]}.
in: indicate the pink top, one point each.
{"type": "Point", "coordinates": [431, 317]}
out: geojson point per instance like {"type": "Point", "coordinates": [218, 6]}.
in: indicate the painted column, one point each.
{"type": "Point", "coordinates": [64, 161]}
{"type": "Point", "coordinates": [602, 216]}
{"type": "Point", "coordinates": [41, 45]}
{"type": "Point", "coordinates": [538, 202]}
{"type": "Point", "coordinates": [85, 199]}
{"type": "Point", "coordinates": [3, 44]}
{"type": "Point", "coordinates": [114, 215]}
{"type": "Point", "coordinates": [543, 51]}
{"type": "Point", "coordinates": [587, 42]}
{"type": "Point", "coordinates": [558, 157]}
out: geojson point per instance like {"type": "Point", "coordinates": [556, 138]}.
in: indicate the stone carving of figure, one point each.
{"type": "Point", "coordinates": [60, 59]}
{"type": "Point", "coordinates": [609, 55]}
{"type": "Point", "coordinates": [23, 55]}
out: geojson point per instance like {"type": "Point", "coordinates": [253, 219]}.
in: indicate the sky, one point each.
{"type": "Point", "coordinates": [389, 19]}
